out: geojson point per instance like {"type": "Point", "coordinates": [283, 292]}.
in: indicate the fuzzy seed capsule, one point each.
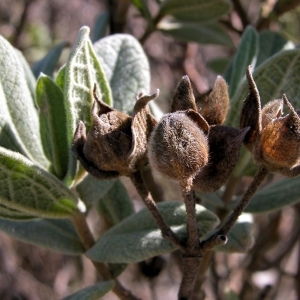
{"type": "Point", "coordinates": [178, 148]}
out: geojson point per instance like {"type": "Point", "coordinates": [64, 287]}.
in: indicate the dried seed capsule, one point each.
{"type": "Point", "coordinates": [178, 147]}
{"type": "Point", "coordinates": [280, 141]}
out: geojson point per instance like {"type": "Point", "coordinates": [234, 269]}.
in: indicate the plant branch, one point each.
{"type": "Point", "coordinates": [224, 230]}
{"type": "Point", "coordinates": [241, 12]}
{"type": "Point", "coordinates": [87, 239]}
{"type": "Point", "coordinates": [143, 191]}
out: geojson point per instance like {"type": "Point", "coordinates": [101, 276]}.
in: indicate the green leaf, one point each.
{"type": "Point", "coordinates": [27, 187]}
{"type": "Point", "coordinates": [195, 11]}
{"type": "Point", "coordinates": [56, 235]}
{"type": "Point", "coordinates": [137, 237]}
{"type": "Point", "coordinates": [83, 70]}
{"type": "Point", "coordinates": [239, 237]}
{"type": "Point", "coordinates": [60, 78]}
{"type": "Point", "coordinates": [276, 76]}
{"type": "Point", "coordinates": [48, 63]}
{"type": "Point", "coordinates": [91, 189]}
{"type": "Point", "coordinates": [270, 43]}
{"type": "Point", "coordinates": [275, 196]}
{"type": "Point", "coordinates": [93, 292]}
{"type": "Point", "coordinates": [231, 295]}
{"type": "Point", "coordinates": [100, 26]}
{"type": "Point", "coordinates": [126, 67]}
{"type": "Point", "coordinates": [116, 205]}
{"type": "Point", "coordinates": [246, 55]}
{"type": "Point", "coordinates": [53, 124]}
{"type": "Point", "coordinates": [19, 125]}
{"type": "Point", "coordinates": [13, 214]}
{"type": "Point", "coordinates": [209, 33]}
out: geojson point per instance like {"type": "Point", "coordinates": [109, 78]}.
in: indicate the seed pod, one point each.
{"type": "Point", "coordinates": [280, 141]}
{"type": "Point", "coordinates": [178, 147]}
{"type": "Point", "coordinates": [217, 103]}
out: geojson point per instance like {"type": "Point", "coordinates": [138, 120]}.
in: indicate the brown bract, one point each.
{"type": "Point", "coordinates": [116, 143]}
{"type": "Point", "coordinates": [274, 140]}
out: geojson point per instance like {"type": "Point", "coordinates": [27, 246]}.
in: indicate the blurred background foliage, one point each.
{"type": "Point", "coordinates": [176, 43]}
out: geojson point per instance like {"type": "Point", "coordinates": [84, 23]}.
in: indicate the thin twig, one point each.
{"type": "Point", "coordinates": [241, 12]}
{"type": "Point", "coordinates": [224, 230]}
{"type": "Point", "coordinates": [87, 239]}
{"type": "Point", "coordinates": [143, 191]}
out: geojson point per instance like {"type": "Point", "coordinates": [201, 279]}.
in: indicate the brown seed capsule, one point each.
{"type": "Point", "coordinates": [280, 141]}
{"type": "Point", "coordinates": [217, 103]}
{"type": "Point", "coordinates": [178, 147]}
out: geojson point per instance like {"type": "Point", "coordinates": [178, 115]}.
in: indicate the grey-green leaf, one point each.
{"type": "Point", "coordinates": [13, 214]}
{"type": "Point", "coordinates": [270, 43]}
{"type": "Point", "coordinates": [19, 125]}
{"type": "Point", "coordinates": [275, 196]}
{"type": "Point", "coordinates": [93, 292]}
{"type": "Point", "coordinates": [195, 11]}
{"type": "Point", "coordinates": [208, 33]}
{"type": "Point", "coordinates": [27, 187]}
{"type": "Point", "coordinates": [82, 72]}
{"type": "Point", "coordinates": [137, 237]}
{"type": "Point", "coordinates": [239, 238]}
{"type": "Point", "coordinates": [48, 63]}
{"type": "Point", "coordinates": [91, 189]}
{"type": "Point", "coordinates": [276, 76]}
{"type": "Point", "coordinates": [126, 67]}
{"type": "Point", "coordinates": [100, 26]}
{"type": "Point", "coordinates": [246, 55]}
{"type": "Point", "coordinates": [116, 205]}
{"type": "Point", "coordinates": [56, 235]}
{"type": "Point", "coordinates": [53, 124]}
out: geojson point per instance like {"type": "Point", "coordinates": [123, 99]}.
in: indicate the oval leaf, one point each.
{"type": "Point", "coordinates": [275, 196]}
{"type": "Point", "coordinates": [13, 214]}
{"type": "Point", "coordinates": [48, 64]}
{"type": "Point", "coordinates": [19, 126]}
{"type": "Point", "coordinates": [277, 76]}
{"type": "Point", "coordinates": [115, 205]}
{"type": "Point", "coordinates": [56, 235]}
{"type": "Point", "coordinates": [195, 11]}
{"type": "Point", "coordinates": [246, 55]}
{"type": "Point", "coordinates": [126, 67]}
{"type": "Point", "coordinates": [270, 43]}
{"type": "Point", "coordinates": [93, 292]}
{"type": "Point", "coordinates": [137, 237]}
{"type": "Point", "coordinates": [53, 124]}
{"type": "Point", "coordinates": [26, 187]}
{"type": "Point", "coordinates": [210, 33]}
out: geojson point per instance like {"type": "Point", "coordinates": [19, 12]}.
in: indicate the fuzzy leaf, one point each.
{"type": "Point", "coordinates": [246, 55]}
{"type": "Point", "coordinates": [137, 237]}
{"type": "Point", "coordinates": [277, 76]}
{"type": "Point", "coordinates": [239, 238]}
{"type": "Point", "coordinates": [195, 11]}
{"type": "Point", "coordinates": [56, 235]}
{"type": "Point", "coordinates": [218, 65]}
{"type": "Point", "coordinates": [275, 196]}
{"type": "Point", "coordinates": [208, 33]}
{"type": "Point", "coordinates": [83, 70]}
{"type": "Point", "coordinates": [91, 189]}
{"type": "Point", "coordinates": [116, 205]}
{"type": "Point", "coordinates": [53, 124]}
{"type": "Point", "coordinates": [48, 63]}
{"type": "Point", "coordinates": [270, 43]}
{"type": "Point", "coordinates": [92, 292]}
{"type": "Point", "coordinates": [27, 187]}
{"type": "Point", "coordinates": [14, 214]}
{"type": "Point", "coordinates": [19, 126]}
{"type": "Point", "coordinates": [126, 67]}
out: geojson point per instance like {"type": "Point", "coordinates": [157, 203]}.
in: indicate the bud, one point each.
{"type": "Point", "coordinates": [178, 147]}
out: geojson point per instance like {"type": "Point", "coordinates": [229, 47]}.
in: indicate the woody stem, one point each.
{"type": "Point", "coordinates": [143, 191]}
